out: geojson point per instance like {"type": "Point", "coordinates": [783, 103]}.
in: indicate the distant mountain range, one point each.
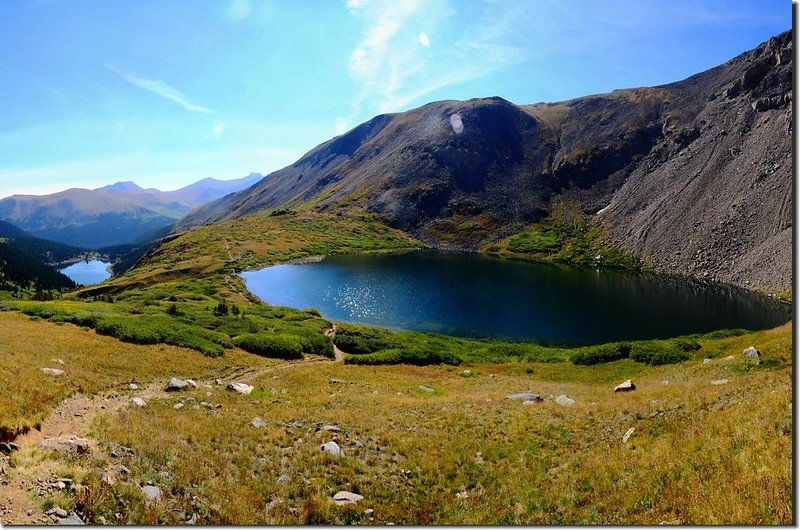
{"type": "Point", "coordinates": [693, 176]}
{"type": "Point", "coordinates": [118, 214]}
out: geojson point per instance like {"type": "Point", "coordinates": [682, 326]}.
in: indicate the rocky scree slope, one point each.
{"type": "Point", "coordinates": [694, 176]}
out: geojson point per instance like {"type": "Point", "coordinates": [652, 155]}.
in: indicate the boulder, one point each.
{"type": "Point", "coordinates": [627, 386]}
{"type": "Point", "coordinates": [332, 448]}
{"type": "Point", "coordinates": [526, 396]}
{"type": "Point", "coordinates": [57, 511]}
{"type": "Point", "coordinates": [751, 353]}
{"type": "Point", "coordinates": [258, 423]}
{"type": "Point", "coordinates": [53, 371]}
{"type": "Point", "coordinates": [152, 493]}
{"type": "Point", "coordinates": [66, 444]}
{"type": "Point", "coordinates": [71, 520]}
{"type": "Point", "coordinates": [176, 384]}
{"type": "Point", "coordinates": [192, 383]}
{"type": "Point", "coordinates": [240, 388]}
{"type": "Point", "coordinates": [331, 428]}
{"type": "Point", "coordinates": [133, 386]}
{"type": "Point", "coordinates": [7, 448]}
{"type": "Point", "coordinates": [706, 361]}
{"type": "Point", "coordinates": [345, 497]}
{"type": "Point", "coordinates": [177, 406]}
{"type": "Point", "coordinates": [138, 402]}
{"type": "Point", "coordinates": [426, 388]}
{"type": "Point", "coordinates": [564, 401]}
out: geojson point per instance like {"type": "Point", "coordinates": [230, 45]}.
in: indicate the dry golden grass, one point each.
{"type": "Point", "coordinates": [701, 453]}
{"type": "Point", "coordinates": [91, 363]}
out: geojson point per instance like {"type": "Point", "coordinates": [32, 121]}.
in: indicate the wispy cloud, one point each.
{"type": "Point", "coordinates": [239, 10]}
{"type": "Point", "coordinates": [158, 88]}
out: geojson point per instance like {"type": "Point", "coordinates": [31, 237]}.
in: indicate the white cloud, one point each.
{"type": "Point", "coordinates": [159, 88]}
{"type": "Point", "coordinates": [424, 40]}
{"type": "Point", "coordinates": [239, 10]}
{"type": "Point", "coordinates": [341, 126]}
{"type": "Point", "coordinates": [219, 129]}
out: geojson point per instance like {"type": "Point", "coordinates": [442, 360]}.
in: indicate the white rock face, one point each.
{"type": "Point", "coordinates": [346, 497]}
{"type": "Point", "coordinates": [332, 448]}
{"type": "Point", "coordinates": [751, 353]}
{"type": "Point", "coordinates": [565, 401]}
{"type": "Point", "coordinates": [240, 388]}
{"type": "Point", "coordinates": [627, 386]}
{"type": "Point", "coordinates": [53, 371]}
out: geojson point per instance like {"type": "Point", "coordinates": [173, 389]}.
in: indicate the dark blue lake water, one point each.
{"type": "Point", "coordinates": [87, 272]}
{"type": "Point", "coordinates": [470, 295]}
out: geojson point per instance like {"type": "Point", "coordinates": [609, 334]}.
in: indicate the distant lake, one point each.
{"type": "Point", "coordinates": [88, 272]}
{"type": "Point", "coordinates": [470, 295]}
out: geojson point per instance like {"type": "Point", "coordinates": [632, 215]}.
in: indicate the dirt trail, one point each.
{"type": "Point", "coordinates": [337, 353]}
{"type": "Point", "coordinates": [73, 418]}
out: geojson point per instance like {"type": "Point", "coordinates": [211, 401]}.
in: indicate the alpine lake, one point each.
{"type": "Point", "coordinates": [477, 296]}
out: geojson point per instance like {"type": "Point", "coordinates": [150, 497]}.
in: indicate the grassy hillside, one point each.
{"type": "Point", "coordinates": [422, 445]}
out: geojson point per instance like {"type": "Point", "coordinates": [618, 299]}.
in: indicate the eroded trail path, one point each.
{"type": "Point", "coordinates": [67, 429]}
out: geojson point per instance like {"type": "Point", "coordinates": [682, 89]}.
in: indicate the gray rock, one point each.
{"type": "Point", "coordinates": [138, 402]}
{"type": "Point", "coordinates": [58, 361]}
{"type": "Point", "coordinates": [258, 423]}
{"type": "Point", "coordinates": [533, 401]}
{"type": "Point", "coordinates": [335, 382]}
{"type": "Point", "coordinates": [332, 448]}
{"type": "Point", "coordinates": [627, 386]}
{"type": "Point", "coordinates": [345, 497]}
{"type": "Point", "coordinates": [730, 358]}
{"type": "Point", "coordinates": [331, 428]}
{"type": "Point", "coordinates": [57, 511]}
{"type": "Point", "coordinates": [53, 371]}
{"type": "Point", "coordinates": [426, 388]}
{"type": "Point", "coordinates": [192, 383]}
{"type": "Point", "coordinates": [628, 434]}
{"type": "Point", "coordinates": [219, 382]}
{"type": "Point", "coordinates": [706, 360]}
{"type": "Point", "coordinates": [283, 480]}
{"type": "Point", "coordinates": [71, 520]}
{"type": "Point", "coordinates": [122, 470]}
{"type": "Point", "coordinates": [177, 406]}
{"type": "Point", "coordinates": [8, 448]}
{"type": "Point", "coordinates": [66, 444]}
{"type": "Point", "coordinates": [526, 396]}
{"type": "Point", "coordinates": [240, 388]}
{"type": "Point", "coordinates": [751, 353]}
{"type": "Point", "coordinates": [152, 493]}
{"type": "Point", "coordinates": [176, 384]}
{"type": "Point", "coordinates": [192, 520]}
{"type": "Point", "coordinates": [133, 386]}
{"type": "Point", "coordinates": [719, 382]}
{"type": "Point", "coordinates": [564, 401]}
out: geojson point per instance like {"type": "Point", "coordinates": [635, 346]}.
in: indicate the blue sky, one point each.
{"type": "Point", "coordinates": [168, 92]}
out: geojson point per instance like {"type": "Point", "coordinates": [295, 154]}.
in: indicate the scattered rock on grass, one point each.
{"type": "Point", "coordinates": [240, 388]}
{"type": "Point", "coordinates": [177, 406]}
{"type": "Point", "coordinates": [706, 360]}
{"type": "Point", "coordinates": [335, 382]}
{"type": "Point", "coordinates": [627, 386]}
{"type": "Point", "coordinates": [71, 520]}
{"type": "Point", "coordinates": [628, 434]}
{"type": "Point", "coordinates": [331, 428]}
{"type": "Point", "coordinates": [332, 448]}
{"type": "Point", "coordinates": [66, 444]}
{"type": "Point", "coordinates": [730, 358]}
{"type": "Point", "coordinates": [8, 448]}
{"type": "Point", "coordinates": [719, 382]}
{"type": "Point", "coordinates": [426, 388]}
{"type": "Point", "coordinates": [152, 493]}
{"type": "Point", "coordinates": [58, 361]}
{"type": "Point", "coordinates": [258, 423]}
{"type": "Point", "coordinates": [57, 511]}
{"type": "Point", "coordinates": [122, 470]}
{"type": "Point", "coordinates": [176, 384]}
{"type": "Point", "coordinates": [138, 402]}
{"type": "Point", "coordinates": [345, 497]}
{"type": "Point", "coordinates": [283, 480]}
{"type": "Point", "coordinates": [133, 386]}
{"type": "Point", "coordinates": [751, 353]}
{"type": "Point", "coordinates": [564, 401]}
{"type": "Point", "coordinates": [53, 371]}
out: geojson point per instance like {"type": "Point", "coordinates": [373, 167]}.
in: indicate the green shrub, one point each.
{"type": "Point", "coordinates": [129, 329]}
{"type": "Point", "coordinates": [658, 352]}
{"type": "Point", "coordinates": [687, 345]}
{"type": "Point", "coordinates": [361, 340]}
{"type": "Point", "coordinates": [725, 333]}
{"type": "Point", "coordinates": [316, 343]}
{"type": "Point", "coordinates": [602, 353]}
{"type": "Point", "coordinates": [403, 356]}
{"type": "Point", "coordinates": [271, 345]}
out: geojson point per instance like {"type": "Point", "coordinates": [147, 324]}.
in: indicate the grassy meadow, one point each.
{"type": "Point", "coordinates": [427, 432]}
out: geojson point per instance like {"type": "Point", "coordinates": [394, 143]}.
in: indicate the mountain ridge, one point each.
{"type": "Point", "coordinates": [620, 157]}
{"type": "Point", "coordinates": [115, 214]}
